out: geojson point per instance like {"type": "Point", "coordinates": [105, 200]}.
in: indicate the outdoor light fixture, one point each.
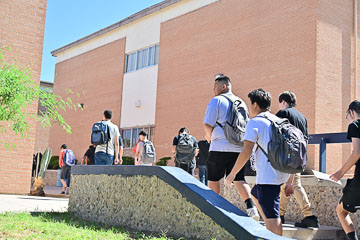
{"type": "Point", "coordinates": [138, 103]}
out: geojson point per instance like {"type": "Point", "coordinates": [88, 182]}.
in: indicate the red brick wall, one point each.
{"type": "Point", "coordinates": [22, 28]}
{"type": "Point", "coordinates": [268, 44]}
{"type": "Point", "coordinates": [41, 138]}
{"type": "Point", "coordinates": [334, 59]}
{"type": "Point", "coordinates": [97, 75]}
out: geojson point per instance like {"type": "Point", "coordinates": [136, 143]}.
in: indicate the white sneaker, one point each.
{"type": "Point", "coordinates": [253, 213]}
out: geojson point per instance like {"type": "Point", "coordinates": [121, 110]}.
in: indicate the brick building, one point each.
{"type": "Point", "coordinates": [155, 68]}
{"type": "Point", "coordinates": [22, 25]}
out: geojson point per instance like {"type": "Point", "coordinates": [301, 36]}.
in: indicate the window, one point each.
{"type": "Point", "coordinates": [131, 62]}
{"type": "Point", "coordinates": [131, 135]}
{"type": "Point", "coordinates": [142, 58]}
{"type": "Point", "coordinates": [156, 54]}
{"type": "Point", "coordinates": [126, 136]}
{"type": "Point", "coordinates": [151, 60]}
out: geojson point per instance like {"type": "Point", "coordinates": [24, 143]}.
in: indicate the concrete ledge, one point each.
{"type": "Point", "coordinates": [130, 195]}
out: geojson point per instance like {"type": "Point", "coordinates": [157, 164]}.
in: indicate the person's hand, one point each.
{"type": "Point", "coordinates": [337, 176]}
{"type": "Point", "coordinates": [229, 179]}
{"type": "Point", "coordinates": [116, 160]}
{"type": "Point", "coordinates": [121, 161]}
{"type": "Point", "coordinates": [289, 190]}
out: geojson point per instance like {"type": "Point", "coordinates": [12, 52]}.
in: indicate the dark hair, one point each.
{"type": "Point", "coordinates": [64, 146]}
{"type": "Point", "coordinates": [143, 133]}
{"type": "Point", "coordinates": [184, 129]}
{"type": "Point", "coordinates": [289, 97]}
{"type": "Point", "coordinates": [261, 97]}
{"type": "Point", "coordinates": [223, 79]}
{"type": "Point", "coordinates": [108, 114]}
{"type": "Point", "coordinates": [355, 106]}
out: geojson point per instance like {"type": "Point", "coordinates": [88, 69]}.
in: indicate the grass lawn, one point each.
{"type": "Point", "coordinates": [61, 226]}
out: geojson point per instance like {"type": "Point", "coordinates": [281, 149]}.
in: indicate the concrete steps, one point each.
{"type": "Point", "coordinates": [321, 233]}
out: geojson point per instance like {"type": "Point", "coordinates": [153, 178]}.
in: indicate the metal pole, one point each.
{"type": "Point", "coordinates": [322, 159]}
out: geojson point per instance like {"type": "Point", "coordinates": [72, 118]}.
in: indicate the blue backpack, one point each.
{"type": "Point", "coordinates": [69, 158]}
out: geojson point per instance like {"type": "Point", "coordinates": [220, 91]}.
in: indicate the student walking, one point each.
{"type": "Point", "coordinates": [66, 161]}
{"type": "Point", "coordinates": [266, 192]}
{"type": "Point", "coordinates": [287, 105]}
{"type": "Point", "coordinates": [105, 135]}
{"type": "Point", "coordinates": [223, 153]}
{"type": "Point", "coordinates": [145, 151]}
{"type": "Point", "coordinates": [185, 148]}
{"type": "Point", "coordinates": [201, 160]}
{"type": "Point", "coordinates": [350, 201]}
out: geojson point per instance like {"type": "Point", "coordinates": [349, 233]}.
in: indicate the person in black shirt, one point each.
{"type": "Point", "coordinates": [350, 201]}
{"type": "Point", "coordinates": [287, 103]}
{"type": "Point", "coordinates": [201, 160]}
{"type": "Point", "coordinates": [89, 156]}
{"type": "Point", "coordinates": [190, 158]}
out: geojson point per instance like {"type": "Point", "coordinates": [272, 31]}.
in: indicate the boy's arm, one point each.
{"type": "Point", "coordinates": [354, 157]}
{"type": "Point", "coordinates": [208, 131]}
{"type": "Point", "coordinates": [241, 161]}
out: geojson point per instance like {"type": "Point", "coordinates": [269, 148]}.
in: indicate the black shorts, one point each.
{"type": "Point", "coordinates": [65, 172]}
{"type": "Point", "coordinates": [351, 195]}
{"type": "Point", "coordinates": [268, 197]}
{"type": "Point", "coordinates": [221, 163]}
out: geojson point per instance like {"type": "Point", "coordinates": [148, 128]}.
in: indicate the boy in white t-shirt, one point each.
{"type": "Point", "coordinates": [266, 192]}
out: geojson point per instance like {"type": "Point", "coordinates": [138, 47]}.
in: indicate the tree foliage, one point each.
{"type": "Point", "coordinates": [18, 96]}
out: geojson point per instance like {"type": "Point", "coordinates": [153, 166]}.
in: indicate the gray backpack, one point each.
{"type": "Point", "coordinates": [237, 118]}
{"type": "Point", "coordinates": [185, 149]}
{"type": "Point", "coordinates": [149, 152]}
{"type": "Point", "coordinates": [287, 148]}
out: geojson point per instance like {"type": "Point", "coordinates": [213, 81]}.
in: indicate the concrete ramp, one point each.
{"type": "Point", "coordinates": [158, 199]}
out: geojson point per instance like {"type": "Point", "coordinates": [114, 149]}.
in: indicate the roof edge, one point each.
{"type": "Point", "coordinates": [143, 13]}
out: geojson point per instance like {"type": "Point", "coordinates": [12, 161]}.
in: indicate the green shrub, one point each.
{"type": "Point", "coordinates": [128, 160]}
{"type": "Point", "coordinates": [163, 161]}
{"type": "Point", "coordinates": [54, 162]}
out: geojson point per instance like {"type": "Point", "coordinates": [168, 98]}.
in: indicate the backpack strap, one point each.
{"type": "Point", "coordinates": [64, 158]}
{"type": "Point", "coordinates": [230, 100]}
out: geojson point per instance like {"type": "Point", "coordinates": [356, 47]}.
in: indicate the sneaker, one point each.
{"type": "Point", "coordinates": [282, 219]}
{"type": "Point", "coordinates": [62, 192]}
{"type": "Point", "coordinates": [253, 213]}
{"type": "Point", "coordinates": [311, 221]}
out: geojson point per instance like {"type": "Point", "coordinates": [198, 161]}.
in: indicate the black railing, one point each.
{"type": "Point", "coordinates": [323, 139]}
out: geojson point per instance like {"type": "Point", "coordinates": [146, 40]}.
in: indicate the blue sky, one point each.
{"type": "Point", "coordinates": [69, 20]}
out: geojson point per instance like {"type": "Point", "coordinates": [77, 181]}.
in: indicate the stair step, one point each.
{"type": "Point", "coordinates": [321, 233]}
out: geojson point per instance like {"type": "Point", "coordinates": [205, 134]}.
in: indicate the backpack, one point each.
{"type": "Point", "coordinates": [69, 158]}
{"type": "Point", "coordinates": [185, 149]}
{"type": "Point", "coordinates": [287, 148]}
{"type": "Point", "coordinates": [149, 152]}
{"type": "Point", "coordinates": [100, 134]}
{"type": "Point", "coordinates": [237, 118]}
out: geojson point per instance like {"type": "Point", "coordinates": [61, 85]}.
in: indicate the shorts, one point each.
{"type": "Point", "coordinates": [221, 163]}
{"type": "Point", "coordinates": [351, 195]}
{"type": "Point", "coordinates": [186, 167]}
{"type": "Point", "coordinates": [268, 197]}
{"type": "Point", "coordinates": [65, 172]}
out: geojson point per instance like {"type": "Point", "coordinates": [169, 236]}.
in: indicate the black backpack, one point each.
{"type": "Point", "coordinates": [185, 149]}
{"type": "Point", "coordinates": [100, 134]}
{"type": "Point", "coordinates": [149, 152]}
{"type": "Point", "coordinates": [287, 148]}
{"type": "Point", "coordinates": [237, 118]}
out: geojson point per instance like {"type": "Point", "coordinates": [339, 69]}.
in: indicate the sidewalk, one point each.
{"type": "Point", "coordinates": [23, 203]}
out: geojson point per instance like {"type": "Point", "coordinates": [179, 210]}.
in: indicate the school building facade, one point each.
{"type": "Point", "coordinates": [155, 68]}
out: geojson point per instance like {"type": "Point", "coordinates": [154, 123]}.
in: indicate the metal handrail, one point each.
{"type": "Point", "coordinates": [323, 139]}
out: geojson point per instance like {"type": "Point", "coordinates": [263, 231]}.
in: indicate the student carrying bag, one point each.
{"type": "Point", "coordinates": [287, 148]}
